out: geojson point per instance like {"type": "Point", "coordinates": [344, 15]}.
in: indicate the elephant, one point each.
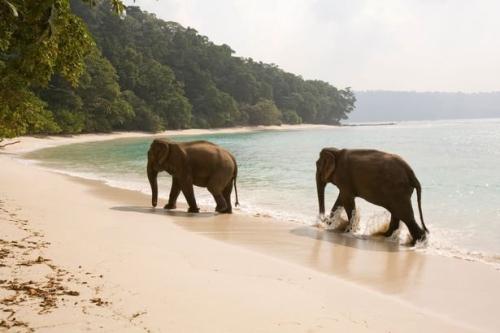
{"type": "Point", "coordinates": [199, 163]}
{"type": "Point", "coordinates": [380, 178]}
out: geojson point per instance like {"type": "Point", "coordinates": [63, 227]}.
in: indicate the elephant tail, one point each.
{"type": "Point", "coordinates": [237, 203]}
{"type": "Point", "coordinates": [417, 186]}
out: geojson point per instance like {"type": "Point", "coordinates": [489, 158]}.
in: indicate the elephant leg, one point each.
{"type": "Point", "coordinates": [393, 226]}
{"type": "Point", "coordinates": [227, 197]}
{"type": "Point", "coordinates": [174, 194]}
{"type": "Point", "coordinates": [416, 233]}
{"type": "Point", "coordinates": [349, 206]}
{"type": "Point", "coordinates": [187, 190]}
{"type": "Point", "coordinates": [216, 188]}
{"type": "Point", "coordinates": [336, 205]}
{"type": "Point", "coordinates": [406, 215]}
{"type": "Point", "coordinates": [221, 202]}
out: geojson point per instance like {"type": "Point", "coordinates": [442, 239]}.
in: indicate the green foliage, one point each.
{"type": "Point", "coordinates": [65, 105]}
{"type": "Point", "coordinates": [141, 73]}
{"type": "Point", "coordinates": [264, 112]}
{"type": "Point", "coordinates": [291, 117]}
{"type": "Point", "coordinates": [96, 105]}
{"type": "Point", "coordinates": [99, 90]}
{"type": "Point", "coordinates": [217, 85]}
{"type": "Point", "coordinates": [45, 38]}
{"type": "Point", "coordinates": [37, 39]}
{"type": "Point", "coordinates": [22, 112]}
{"type": "Point", "coordinates": [156, 85]}
{"type": "Point", "coordinates": [145, 119]}
{"type": "Point", "coordinates": [215, 108]}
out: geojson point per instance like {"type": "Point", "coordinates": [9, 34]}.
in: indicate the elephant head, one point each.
{"type": "Point", "coordinates": [158, 154]}
{"type": "Point", "coordinates": [325, 168]}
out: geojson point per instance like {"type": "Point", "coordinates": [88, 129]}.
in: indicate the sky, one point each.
{"type": "Point", "coordinates": [417, 45]}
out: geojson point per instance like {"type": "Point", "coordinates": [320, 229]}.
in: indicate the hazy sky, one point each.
{"type": "Point", "coordinates": [423, 45]}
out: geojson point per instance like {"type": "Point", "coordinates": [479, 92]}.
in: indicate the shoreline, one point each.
{"type": "Point", "coordinates": [286, 261]}
{"type": "Point", "coordinates": [31, 143]}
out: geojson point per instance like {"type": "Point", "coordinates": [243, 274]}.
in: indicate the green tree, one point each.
{"type": "Point", "coordinates": [105, 109]}
{"type": "Point", "coordinates": [146, 74]}
{"type": "Point", "coordinates": [37, 39]}
{"type": "Point", "coordinates": [291, 117]}
{"type": "Point", "coordinates": [144, 119]}
{"type": "Point", "coordinates": [24, 113]}
{"type": "Point", "coordinates": [157, 86]}
{"type": "Point", "coordinates": [264, 112]}
{"type": "Point", "coordinates": [217, 84]}
{"type": "Point", "coordinates": [65, 104]}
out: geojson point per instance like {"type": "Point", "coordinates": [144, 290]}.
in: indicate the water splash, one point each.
{"type": "Point", "coordinates": [463, 216]}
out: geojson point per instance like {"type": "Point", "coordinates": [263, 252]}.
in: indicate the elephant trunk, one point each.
{"type": "Point", "coordinates": [320, 187]}
{"type": "Point", "coordinates": [152, 176]}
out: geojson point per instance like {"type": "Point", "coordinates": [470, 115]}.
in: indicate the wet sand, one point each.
{"type": "Point", "coordinates": [173, 271]}
{"type": "Point", "coordinates": [30, 143]}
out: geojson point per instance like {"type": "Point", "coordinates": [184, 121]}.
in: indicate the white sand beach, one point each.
{"type": "Point", "coordinates": [77, 255]}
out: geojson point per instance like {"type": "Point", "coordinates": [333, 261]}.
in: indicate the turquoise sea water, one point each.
{"type": "Point", "coordinates": [457, 162]}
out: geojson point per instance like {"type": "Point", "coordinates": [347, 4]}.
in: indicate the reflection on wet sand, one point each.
{"type": "Point", "coordinates": [375, 261]}
{"type": "Point", "coordinates": [428, 282]}
{"type": "Point", "coordinates": [161, 211]}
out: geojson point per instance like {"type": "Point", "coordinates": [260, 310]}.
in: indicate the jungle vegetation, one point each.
{"type": "Point", "coordinates": [73, 66]}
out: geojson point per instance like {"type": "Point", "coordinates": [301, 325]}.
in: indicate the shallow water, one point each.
{"type": "Point", "coordinates": [456, 161]}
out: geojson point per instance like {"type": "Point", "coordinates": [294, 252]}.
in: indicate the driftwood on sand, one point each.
{"type": "Point", "coordinates": [7, 144]}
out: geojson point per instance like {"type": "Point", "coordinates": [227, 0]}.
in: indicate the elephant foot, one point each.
{"type": "Point", "coordinates": [347, 228]}
{"type": "Point", "coordinates": [388, 233]}
{"type": "Point", "coordinates": [170, 206]}
{"type": "Point", "coordinates": [224, 211]}
{"type": "Point", "coordinates": [420, 238]}
{"type": "Point", "coordinates": [193, 210]}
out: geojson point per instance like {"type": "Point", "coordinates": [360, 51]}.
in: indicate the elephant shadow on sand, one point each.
{"type": "Point", "coordinates": [160, 211]}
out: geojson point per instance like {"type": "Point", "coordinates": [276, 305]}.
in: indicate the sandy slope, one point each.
{"type": "Point", "coordinates": [117, 264]}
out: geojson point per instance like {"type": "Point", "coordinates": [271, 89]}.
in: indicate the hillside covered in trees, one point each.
{"type": "Point", "coordinates": [143, 73]}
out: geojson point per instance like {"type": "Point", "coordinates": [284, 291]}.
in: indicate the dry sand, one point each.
{"type": "Point", "coordinates": [77, 255]}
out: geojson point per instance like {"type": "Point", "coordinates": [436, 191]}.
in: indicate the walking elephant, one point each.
{"type": "Point", "coordinates": [199, 163]}
{"type": "Point", "coordinates": [380, 178]}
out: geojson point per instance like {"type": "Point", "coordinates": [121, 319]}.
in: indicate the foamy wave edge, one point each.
{"type": "Point", "coordinates": [434, 245]}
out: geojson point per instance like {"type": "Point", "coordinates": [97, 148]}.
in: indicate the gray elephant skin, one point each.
{"type": "Point", "coordinates": [380, 178]}
{"type": "Point", "coordinates": [199, 163]}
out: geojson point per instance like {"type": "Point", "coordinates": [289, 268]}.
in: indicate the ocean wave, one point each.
{"type": "Point", "coordinates": [440, 241]}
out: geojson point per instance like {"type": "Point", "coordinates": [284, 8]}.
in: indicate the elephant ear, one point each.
{"type": "Point", "coordinates": [162, 150]}
{"type": "Point", "coordinates": [328, 165]}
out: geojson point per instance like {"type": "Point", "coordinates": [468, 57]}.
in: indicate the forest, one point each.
{"type": "Point", "coordinates": [88, 66]}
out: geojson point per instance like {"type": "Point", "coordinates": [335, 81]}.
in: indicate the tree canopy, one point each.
{"type": "Point", "coordinates": [76, 66]}
{"type": "Point", "coordinates": [37, 40]}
